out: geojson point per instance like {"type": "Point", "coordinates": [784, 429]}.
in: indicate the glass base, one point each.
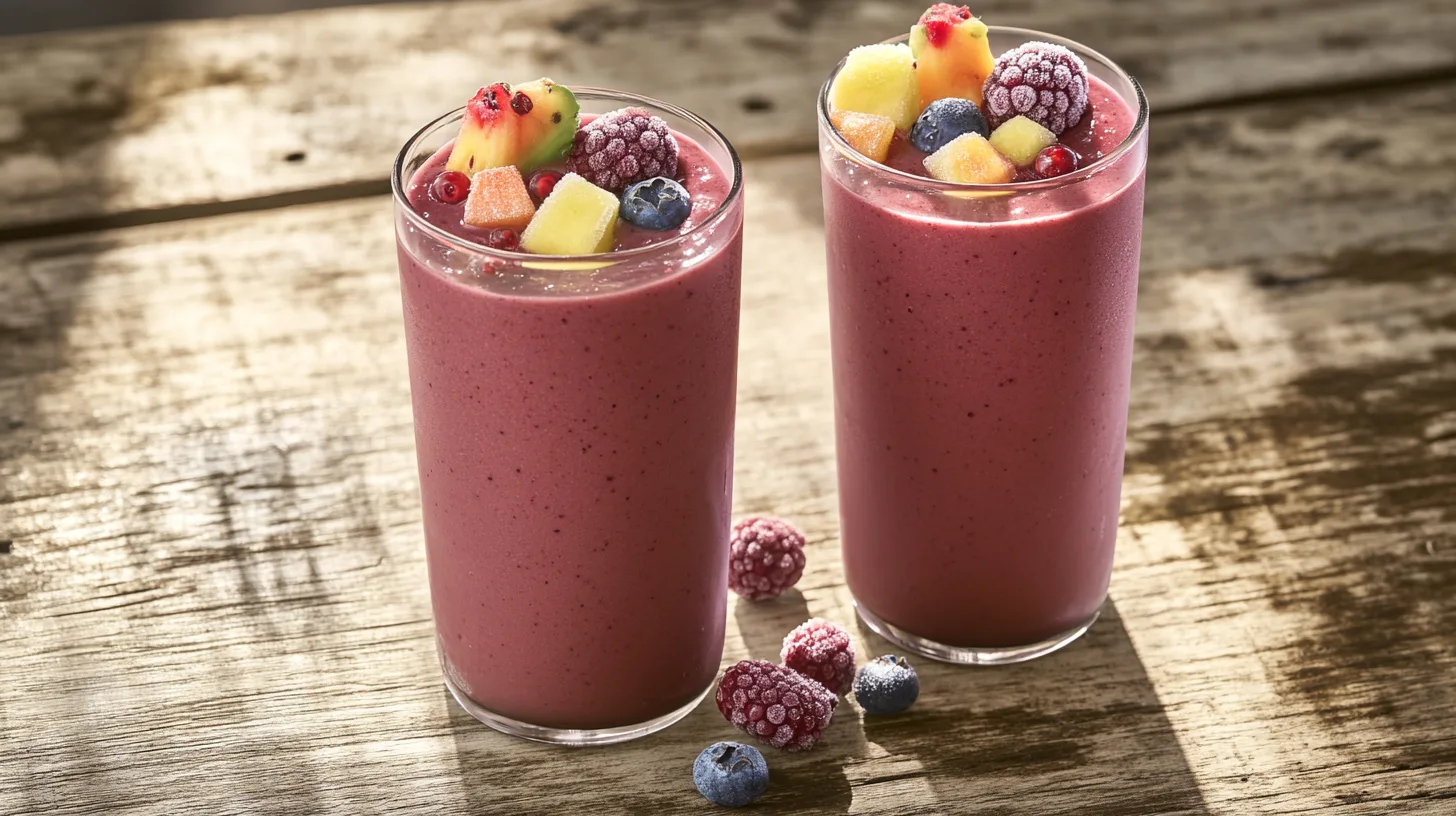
{"type": "Point", "coordinates": [970, 655]}
{"type": "Point", "coordinates": [574, 737]}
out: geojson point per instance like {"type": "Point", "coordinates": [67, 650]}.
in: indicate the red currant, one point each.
{"type": "Point", "coordinates": [504, 238]}
{"type": "Point", "coordinates": [1056, 160]}
{"type": "Point", "coordinates": [541, 183]}
{"type": "Point", "coordinates": [450, 187]}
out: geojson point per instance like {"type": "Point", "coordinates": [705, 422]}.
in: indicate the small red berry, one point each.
{"type": "Point", "coordinates": [522, 104]}
{"type": "Point", "coordinates": [821, 651]}
{"type": "Point", "coordinates": [450, 187]}
{"type": "Point", "coordinates": [541, 183]}
{"type": "Point", "coordinates": [504, 238]}
{"type": "Point", "coordinates": [1055, 160]}
{"type": "Point", "coordinates": [765, 557]}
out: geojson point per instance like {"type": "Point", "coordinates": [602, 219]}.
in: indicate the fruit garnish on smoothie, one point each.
{"type": "Point", "coordinates": [961, 115]}
{"type": "Point", "coordinates": [529, 172]}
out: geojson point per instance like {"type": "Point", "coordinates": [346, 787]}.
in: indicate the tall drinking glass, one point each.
{"type": "Point", "coordinates": [982, 340]}
{"type": "Point", "coordinates": [574, 429]}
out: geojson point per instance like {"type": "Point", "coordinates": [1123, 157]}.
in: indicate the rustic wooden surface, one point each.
{"type": "Point", "coordinates": [212, 589]}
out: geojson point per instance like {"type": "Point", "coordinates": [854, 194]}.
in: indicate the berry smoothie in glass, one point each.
{"type": "Point", "coordinates": [983, 201]}
{"type": "Point", "coordinates": [569, 268]}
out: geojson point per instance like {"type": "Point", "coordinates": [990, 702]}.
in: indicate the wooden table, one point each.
{"type": "Point", "coordinates": [212, 588]}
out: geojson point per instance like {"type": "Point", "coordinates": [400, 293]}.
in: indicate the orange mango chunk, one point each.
{"type": "Point", "coordinates": [498, 198]}
{"type": "Point", "coordinates": [867, 133]}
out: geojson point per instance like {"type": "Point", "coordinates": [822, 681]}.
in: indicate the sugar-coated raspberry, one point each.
{"type": "Point", "coordinates": [623, 147]}
{"type": "Point", "coordinates": [821, 651]}
{"type": "Point", "coordinates": [765, 557]}
{"type": "Point", "coordinates": [1045, 83]}
{"type": "Point", "coordinates": [776, 704]}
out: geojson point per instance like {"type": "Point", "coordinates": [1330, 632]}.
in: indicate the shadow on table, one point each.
{"type": "Point", "coordinates": [1079, 731]}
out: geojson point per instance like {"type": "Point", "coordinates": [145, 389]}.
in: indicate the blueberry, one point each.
{"type": "Point", "coordinates": [656, 204]}
{"type": "Point", "coordinates": [730, 774]}
{"type": "Point", "coordinates": [945, 119]}
{"type": "Point", "coordinates": [886, 685]}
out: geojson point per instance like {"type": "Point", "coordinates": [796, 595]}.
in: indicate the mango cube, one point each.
{"type": "Point", "coordinates": [1020, 139]}
{"type": "Point", "coordinates": [498, 198]}
{"type": "Point", "coordinates": [970, 159]}
{"type": "Point", "coordinates": [867, 133]}
{"type": "Point", "coordinates": [578, 218]}
{"type": "Point", "coordinates": [878, 79]}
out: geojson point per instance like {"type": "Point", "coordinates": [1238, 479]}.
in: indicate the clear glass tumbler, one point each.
{"type": "Point", "coordinates": [982, 340]}
{"type": "Point", "coordinates": [574, 430]}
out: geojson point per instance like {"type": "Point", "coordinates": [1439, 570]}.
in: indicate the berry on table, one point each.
{"type": "Point", "coordinates": [623, 147]}
{"type": "Point", "coordinates": [821, 651]}
{"type": "Point", "coordinates": [886, 685]}
{"type": "Point", "coordinates": [541, 183]}
{"type": "Point", "coordinates": [730, 774]}
{"type": "Point", "coordinates": [945, 119]}
{"type": "Point", "coordinates": [656, 204]}
{"type": "Point", "coordinates": [450, 187]}
{"type": "Point", "coordinates": [1056, 160]}
{"type": "Point", "coordinates": [1045, 83]}
{"type": "Point", "coordinates": [765, 557]}
{"type": "Point", "coordinates": [776, 704]}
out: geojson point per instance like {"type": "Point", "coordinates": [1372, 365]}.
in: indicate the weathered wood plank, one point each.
{"type": "Point", "coordinates": [215, 594]}
{"type": "Point", "coordinates": [194, 118]}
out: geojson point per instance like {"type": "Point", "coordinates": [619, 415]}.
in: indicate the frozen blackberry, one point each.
{"type": "Point", "coordinates": [821, 651]}
{"type": "Point", "coordinates": [1045, 83]}
{"type": "Point", "coordinates": [765, 557]}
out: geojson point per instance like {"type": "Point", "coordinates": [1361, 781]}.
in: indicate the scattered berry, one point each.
{"type": "Point", "coordinates": [656, 204]}
{"type": "Point", "coordinates": [945, 119]}
{"type": "Point", "coordinates": [623, 147]}
{"type": "Point", "coordinates": [776, 704]}
{"type": "Point", "coordinates": [450, 187]}
{"type": "Point", "coordinates": [730, 774]}
{"type": "Point", "coordinates": [821, 651]}
{"type": "Point", "coordinates": [886, 685]}
{"type": "Point", "coordinates": [541, 183]}
{"type": "Point", "coordinates": [504, 238]}
{"type": "Point", "coordinates": [1045, 83]}
{"type": "Point", "coordinates": [765, 557]}
{"type": "Point", "coordinates": [1056, 160]}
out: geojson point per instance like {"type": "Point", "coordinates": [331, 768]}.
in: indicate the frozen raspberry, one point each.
{"type": "Point", "coordinates": [623, 147]}
{"type": "Point", "coordinates": [765, 557]}
{"type": "Point", "coordinates": [1045, 83]}
{"type": "Point", "coordinates": [778, 705]}
{"type": "Point", "coordinates": [821, 651]}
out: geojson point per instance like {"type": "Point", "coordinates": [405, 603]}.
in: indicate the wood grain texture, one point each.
{"type": "Point", "coordinates": [129, 125]}
{"type": "Point", "coordinates": [214, 594]}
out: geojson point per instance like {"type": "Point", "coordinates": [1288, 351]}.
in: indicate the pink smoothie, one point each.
{"type": "Point", "coordinates": [575, 443]}
{"type": "Point", "coordinates": [981, 384]}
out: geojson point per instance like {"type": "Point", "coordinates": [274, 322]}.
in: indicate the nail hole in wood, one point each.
{"type": "Point", "coordinates": [4, 547]}
{"type": "Point", "coordinates": [295, 157]}
{"type": "Point", "coordinates": [757, 104]}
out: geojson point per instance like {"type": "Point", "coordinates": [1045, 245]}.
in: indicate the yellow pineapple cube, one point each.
{"type": "Point", "coordinates": [970, 159]}
{"type": "Point", "coordinates": [867, 133]}
{"type": "Point", "coordinates": [1020, 139]}
{"type": "Point", "coordinates": [578, 218]}
{"type": "Point", "coordinates": [878, 79]}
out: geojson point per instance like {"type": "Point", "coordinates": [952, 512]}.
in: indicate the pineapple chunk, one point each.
{"type": "Point", "coordinates": [1020, 139]}
{"type": "Point", "coordinates": [867, 133]}
{"type": "Point", "coordinates": [970, 159]}
{"type": "Point", "coordinates": [878, 79]}
{"type": "Point", "coordinates": [498, 198]}
{"type": "Point", "coordinates": [578, 218]}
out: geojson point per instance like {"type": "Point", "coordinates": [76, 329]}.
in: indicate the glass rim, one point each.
{"type": "Point", "coordinates": [1139, 128]}
{"type": "Point", "coordinates": [397, 187]}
